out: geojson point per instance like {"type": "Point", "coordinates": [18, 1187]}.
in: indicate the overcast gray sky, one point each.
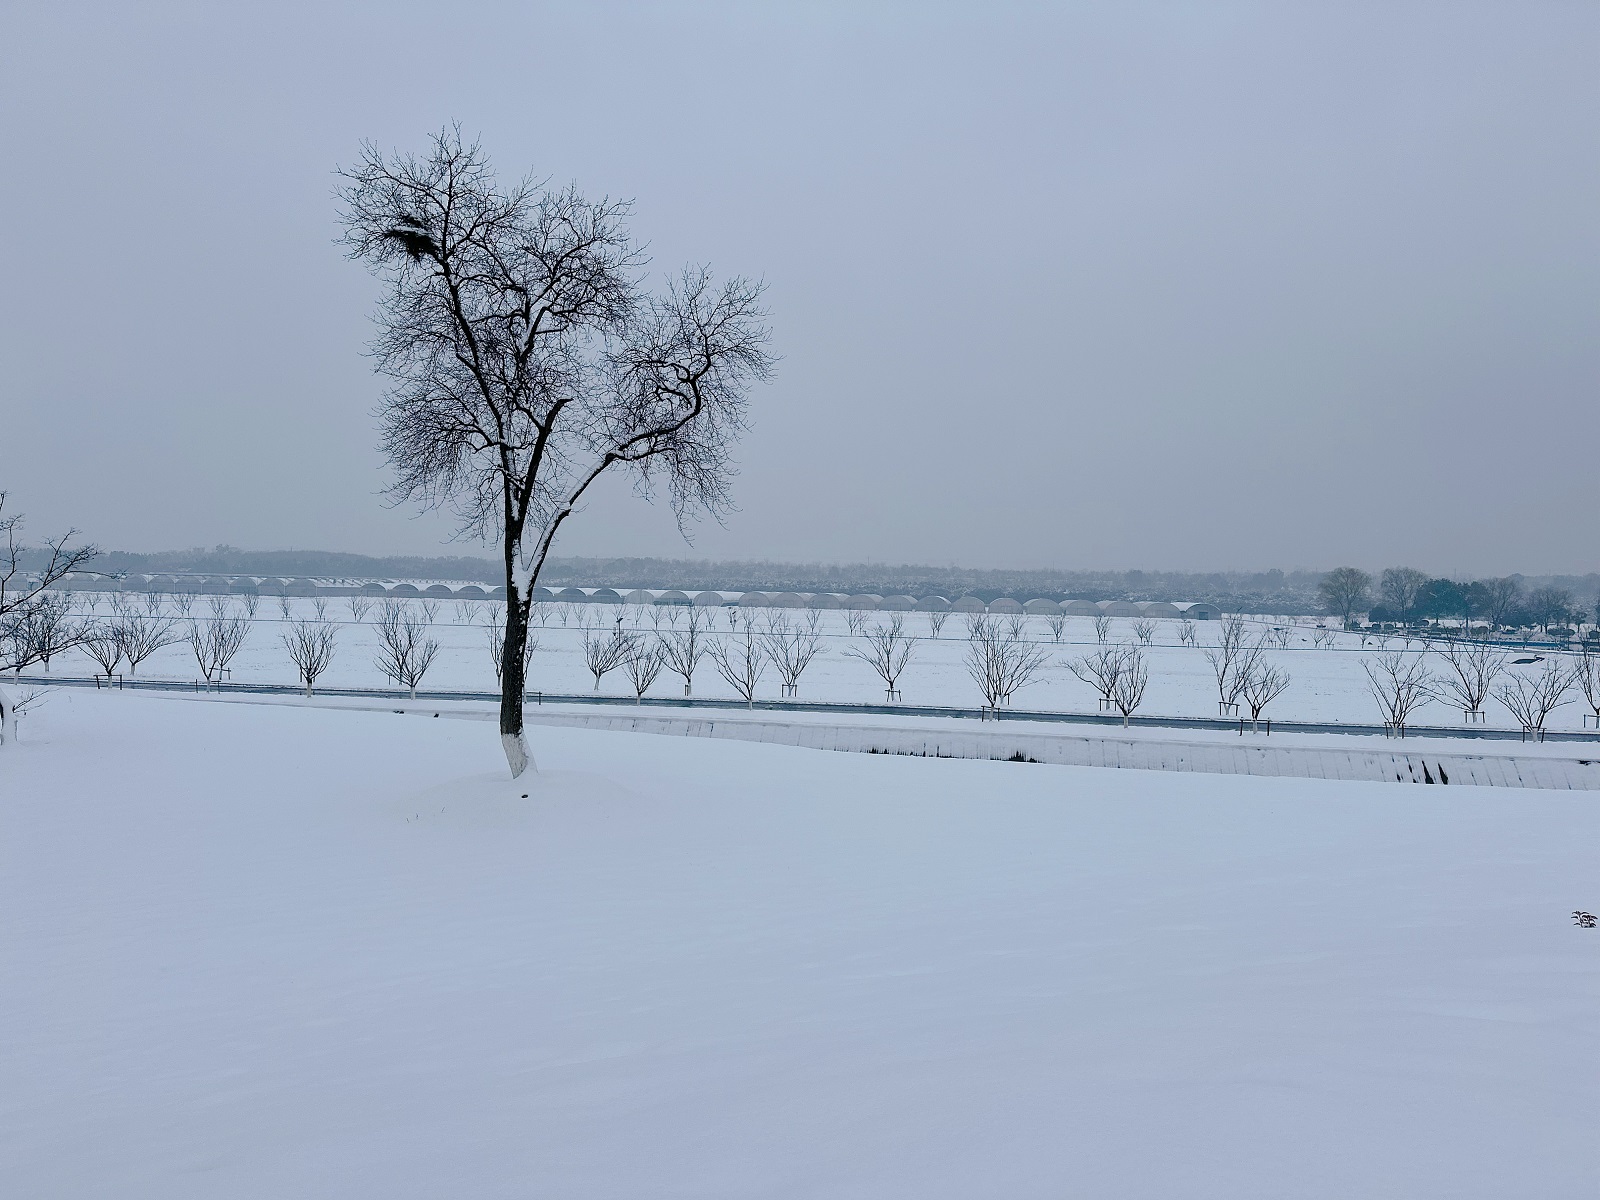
{"type": "Point", "coordinates": [1076, 285]}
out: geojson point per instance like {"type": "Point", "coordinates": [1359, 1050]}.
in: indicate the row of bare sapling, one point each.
{"type": "Point", "coordinates": [132, 632]}
{"type": "Point", "coordinates": [999, 656]}
{"type": "Point", "coordinates": [1473, 671]}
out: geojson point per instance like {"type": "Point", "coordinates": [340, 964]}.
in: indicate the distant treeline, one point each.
{"type": "Point", "coordinates": [1289, 593]}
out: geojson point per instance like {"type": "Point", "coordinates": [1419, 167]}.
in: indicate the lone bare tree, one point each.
{"type": "Point", "coordinates": [887, 651]}
{"type": "Point", "coordinates": [1132, 677]}
{"type": "Point", "coordinates": [527, 361]}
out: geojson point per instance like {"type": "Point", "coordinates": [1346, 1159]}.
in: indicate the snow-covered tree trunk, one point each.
{"type": "Point", "coordinates": [8, 717]}
{"type": "Point", "coordinates": [513, 668]}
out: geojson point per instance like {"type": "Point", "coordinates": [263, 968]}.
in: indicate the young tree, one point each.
{"type": "Point", "coordinates": [405, 651]}
{"type": "Point", "coordinates": [1131, 679]}
{"type": "Point", "coordinates": [359, 607]}
{"type": "Point", "coordinates": [28, 611]}
{"type": "Point", "coordinates": [141, 636]}
{"type": "Point", "coordinates": [1474, 666]}
{"type": "Point", "coordinates": [1186, 631]}
{"type": "Point", "coordinates": [1099, 670]}
{"type": "Point", "coordinates": [1260, 683]}
{"type": "Point", "coordinates": [740, 661]}
{"type": "Point", "coordinates": [936, 622]}
{"type": "Point", "coordinates": [1224, 660]}
{"type": "Point", "coordinates": [1000, 662]}
{"type": "Point", "coordinates": [1586, 674]}
{"type": "Point", "coordinates": [1400, 683]}
{"type": "Point", "coordinates": [1057, 622]}
{"type": "Point", "coordinates": [311, 645]}
{"type": "Point", "coordinates": [684, 647]}
{"type": "Point", "coordinates": [606, 650]}
{"type": "Point", "coordinates": [644, 663]}
{"type": "Point", "coordinates": [216, 640]}
{"type": "Point", "coordinates": [38, 631]}
{"type": "Point", "coordinates": [1102, 629]}
{"type": "Point", "coordinates": [1345, 591]}
{"type": "Point", "coordinates": [790, 648]}
{"type": "Point", "coordinates": [887, 651]}
{"type": "Point", "coordinates": [1144, 630]}
{"type": "Point", "coordinates": [102, 644]}
{"type": "Point", "coordinates": [527, 362]}
{"type": "Point", "coordinates": [1532, 698]}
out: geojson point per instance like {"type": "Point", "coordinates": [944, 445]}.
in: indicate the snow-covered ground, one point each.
{"type": "Point", "coordinates": [1328, 683]}
{"type": "Point", "coordinates": [267, 951]}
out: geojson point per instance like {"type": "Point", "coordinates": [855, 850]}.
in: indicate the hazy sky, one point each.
{"type": "Point", "coordinates": [1077, 285]}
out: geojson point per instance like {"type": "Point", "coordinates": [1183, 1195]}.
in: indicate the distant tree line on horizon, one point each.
{"type": "Point", "coordinates": [1407, 596]}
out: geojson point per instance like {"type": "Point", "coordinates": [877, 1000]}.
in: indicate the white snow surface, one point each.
{"type": "Point", "coordinates": [265, 951]}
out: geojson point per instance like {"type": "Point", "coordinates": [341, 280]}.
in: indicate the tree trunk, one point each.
{"type": "Point", "coordinates": [6, 718]}
{"type": "Point", "coordinates": [513, 680]}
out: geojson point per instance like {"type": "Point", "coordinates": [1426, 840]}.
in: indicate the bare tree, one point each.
{"type": "Point", "coordinates": [252, 601]}
{"type": "Point", "coordinates": [1001, 663]}
{"type": "Point", "coordinates": [791, 648]}
{"type": "Point", "coordinates": [1474, 666]}
{"type": "Point", "coordinates": [888, 651]}
{"type": "Point", "coordinates": [1186, 630]}
{"type": "Point", "coordinates": [1532, 698]}
{"type": "Point", "coordinates": [936, 621]}
{"type": "Point", "coordinates": [740, 661]}
{"type": "Point", "coordinates": [1057, 621]}
{"type": "Point", "coordinates": [216, 640]}
{"type": "Point", "coordinates": [360, 606]}
{"type": "Point", "coordinates": [606, 650]}
{"type": "Point", "coordinates": [405, 651]}
{"type": "Point", "coordinates": [527, 363]}
{"type": "Point", "coordinates": [644, 663]}
{"type": "Point", "coordinates": [855, 619]}
{"type": "Point", "coordinates": [38, 631]}
{"type": "Point", "coordinates": [26, 606]}
{"type": "Point", "coordinates": [1145, 630]}
{"type": "Point", "coordinates": [1132, 677]}
{"type": "Point", "coordinates": [1102, 629]}
{"type": "Point", "coordinates": [311, 645]}
{"type": "Point", "coordinates": [430, 611]}
{"type": "Point", "coordinates": [1400, 683]}
{"type": "Point", "coordinates": [1016, 624]}
{"type": "Point", "coordinates": [1501, 597]}
{"type": "Point", "coordinates": [1400, 587]}
{"type": "Point", "coordinates": [285, 607]}
{"type": "Point", "coordinates": [684, 647]}
{"type": "Point", "coordinates": [141, 636]}
{"type": "Point", "coordinates": [102, 643]}
{"type": "Point", "coordinates": [1586, 674]}
{"type": "Point", "coordinates": [1099, 670]}
{"type": "Point", "coordinates": [1224, 660]}
{"type": "Point", "coordinates": [1323, 638]}
{"type": "Point", "coordinates": [1345, 592]}
{"type": "Point", "coordinates": [1260, 683]}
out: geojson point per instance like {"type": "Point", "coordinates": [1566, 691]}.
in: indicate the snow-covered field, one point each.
{"type": "Point", "coordinates": [259, 951]}
{"type": "Point", "coordinates": [1328, 683]}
